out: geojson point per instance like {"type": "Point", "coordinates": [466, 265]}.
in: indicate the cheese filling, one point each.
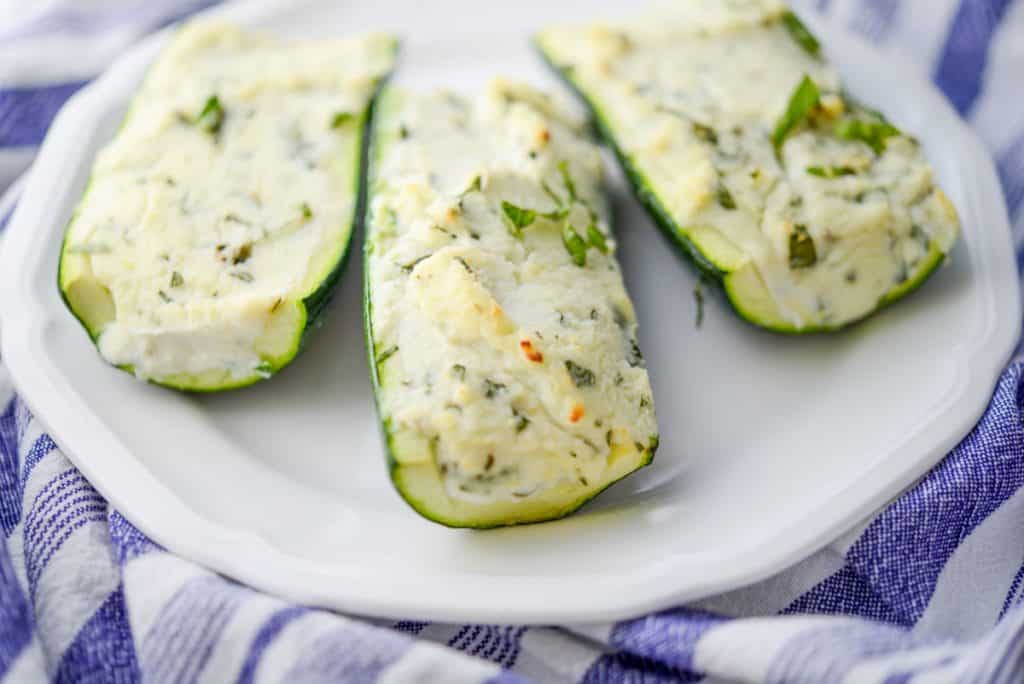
{"type": "Point", "coordinates": [834, 211]}
{"type": "Point", "coordinates": [226, 198]}
{"type": "Point", "coordinates": [505, 340]}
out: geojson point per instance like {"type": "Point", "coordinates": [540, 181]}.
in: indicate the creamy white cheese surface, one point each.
{"type": "Point", "coordinates": [225, 199]}
{"type": "Point", "coordinates": [501, 358]}
{"type": "Point", "coordinates": [693, 94]}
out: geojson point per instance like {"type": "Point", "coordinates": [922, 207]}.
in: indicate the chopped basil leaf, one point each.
{"type": "Point", "coordinates": [307, 212]}
{"type": "Point", "coordinates": [177, 280]}
{"type": "Point", "coordinates": [831, 171]}
{"type": "Point", "coordinates": [521, 422]}
{"type": "Point", "coordinates": [341, 118]}
{"type": "Point", "coordinates": [802, 253]}
{"type": "Point", "coordinates": [705, 133]}
{"type": "Point", "coordinates": [163, 296]}
{"type": "Point", "coordinates": [491, 388]}
{"type": "Point", "coordinates": [242, 254]}
{"type": "Point", "coordinates": [386, 354]}
{"type": "Point", "coordinates": [581, 377]}
{"type": "Point", "coordinates": [645, 401]}
{"type": "Point", "coordinates": [211, 117]}
{"type": "Point", "coordinates": [574, 244]}
{"type": "Point", "coordinates": [460, 371]}
{"type": "Point", "coordinates": [403, 132]}
{"type": "Point", "coordinates": [725, 197]}
{"type": "Point", "coordinates": [570, 187]}
{"type": "Point", "coordinates": [465, 264]}
{"type": "Point", "coordinates": [801, 103]}
{"type": "Point", "coordinates": [412, 264]}
{"type": "Point", "coordinates": [517, 218]}
{"type": "Point", "coordinates": [801, 34]}
{"type": "Point", "coordinates": [476, 186]}
{"type": "Point", "coordinates": [244, 276]}
{"type": "Point", "coordinates": [872, 133]}
{"type": "Point", "coordinates": [596, 238]}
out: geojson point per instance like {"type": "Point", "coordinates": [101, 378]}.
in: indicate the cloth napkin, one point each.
{"type": "Point", "coordinates": [929, 590]}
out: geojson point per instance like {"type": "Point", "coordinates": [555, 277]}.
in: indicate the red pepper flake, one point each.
{"type": "Point", "coordinates": [531, 353]}
{"type": "Point", "coordinates": [576, 414]}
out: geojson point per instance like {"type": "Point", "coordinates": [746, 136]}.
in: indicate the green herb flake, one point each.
{"type": "Point", "coordinates": [570, 187]}
{"type": "Point", "coordinates": [177, 280]}
{"type": "Point", "coordinates": [801, 103]}
{"type": "Point", "coordinates": [386, 354]}
{"type": "Point", "coordinates": [211, 117]}
{"type": "Point", "coordinates": [476, 186]}
{"type": "Point", "coordinates": [705, 133]}
{"type": "Point", "coordinates": [244, 276]}
{"type": "Point", "coordinates": [403, 132]}
{"type": "Point", "coordinates": [874, 134]}
{"type": "Point", "coordinates": [725, 197]}
{"type": "Point", "coordinates": [491, 388]}
{"type": "Point", "coordinates": [581, 377]}
{"type": "Point", "coordinates": [459, 371]}
{"type": "Point", "coordinates": [522, 422]}
{"type": "Point", "coordinates": [645, 402]}
{"type": "Point", "coordinates": [802, 253]}
{"type": "Point", "coordinates": [412, 264]}
{"type": "Point", "coordinates": [517, 218]}
{"type": "Point", "coordinates": [574, 244]}
{"type": "Point", "coordinates": [307, 212]}
{"type": "Point", "coordinates": [163, 296]}
{"type": "Point", "coordinates": [242, 254]}
{"type": "Point", "coordinates": [341, 118]}
{"type": "Point", "coordinates": [831, 171]}
{"type": "Point", "coordinates": [596, 238]}
{"type": "Point", "coordinates": [801, 34]}
{"type": "Point", "coordinates": [465, 265]}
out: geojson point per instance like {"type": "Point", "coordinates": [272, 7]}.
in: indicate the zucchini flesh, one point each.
{"type": "Point", "coordinates": [507, 375]}
{"type": "Point", "coordinates": [725, 174]}
{"type": "Point", "coordinates": [216, 224]}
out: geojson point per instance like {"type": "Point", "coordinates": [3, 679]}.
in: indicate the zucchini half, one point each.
{"type": "Point", "coordinates": [502, 343]}
{"type": "Point", "coordinates": [216, 225]}
{"type": "Point", "coordinates": [799, 270]}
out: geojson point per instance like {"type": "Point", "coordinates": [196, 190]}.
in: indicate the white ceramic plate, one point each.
{"type": "Point", "coordinates": [771, 446]}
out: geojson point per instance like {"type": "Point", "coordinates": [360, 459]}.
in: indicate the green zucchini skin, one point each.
{"type": "Point", "coordinates": [313, 308]}
{"type": "Point", "coordinates": [676, 234]}
{"type": "Point", "coordinates": [403, 476]}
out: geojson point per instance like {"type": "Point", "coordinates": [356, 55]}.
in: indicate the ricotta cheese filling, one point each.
{"type": "Point", "coordinates": [505, 342]}
{"type": "Point", "coordinates": [225, 199]}
{"type": "Point", "coordinates": [742, 129]}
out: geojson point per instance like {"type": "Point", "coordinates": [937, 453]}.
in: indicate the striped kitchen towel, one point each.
{"type": "Point", "coordinates": [929, 590]}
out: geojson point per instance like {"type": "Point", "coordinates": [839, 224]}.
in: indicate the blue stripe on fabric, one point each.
{"type": "Point", "coordinates": [500, 644]}
{"type": "Point", "coordinates": [961, 69]}
{"type": "Point", "coordinates": [624, 667]}
{"type": "Point", "coordinates": [15, 613]}
{"type": "Point", "coordinates": [178, 645]}
{"type": "Point", "coordinates": [36, 563]}
{"type": "Point", "coordinates": [1011, 172]}
{"type": "Point", "coordinates": [73, 21]}
{"type": "Point", "coordinates": [904, 549]}
{"type": "Point", "coordinates": [350, 652]}
{"type": "Point", "coordinates": [1013, 595]}
{"type": "Point", "coordinates": [875, 19]}
{"type": "Point", "coordinates": [669, 637]}
{"type": "Point", "coordinates": [5, 218]}
{"type": "Point", "coordinates": [102, 650]}
{"type": "Point", "coordinates": [264, 637]}
{"type": "Point", "coordinates": [828, 653]}
{"type": "Point", "coordinates": [845, 593]}
{"type": "Point", "coordinates": [128, 541]}
{"type": "Point", "coordinates": [10, 492]}
{"type": "Point", "coordinates": [39, 450]}
{"type": "Point", "coordinates": [26, 113]}
{"type": "Point", "coordinates": [410, 626]}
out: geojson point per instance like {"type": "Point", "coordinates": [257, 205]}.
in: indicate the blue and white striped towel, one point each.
{"type": "Point", "coordinates": [929, 591]}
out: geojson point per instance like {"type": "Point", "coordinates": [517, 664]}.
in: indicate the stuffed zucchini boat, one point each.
{"type": "Point", "coordinates": [502, 342]}
{"type": "Point", "coordinates": [812, 210]}
{"type": "Point", "coordinates": [216, 223]}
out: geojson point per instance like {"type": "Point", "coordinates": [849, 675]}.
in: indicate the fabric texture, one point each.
{"type": "Point", "coordinates": [929, 590]}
